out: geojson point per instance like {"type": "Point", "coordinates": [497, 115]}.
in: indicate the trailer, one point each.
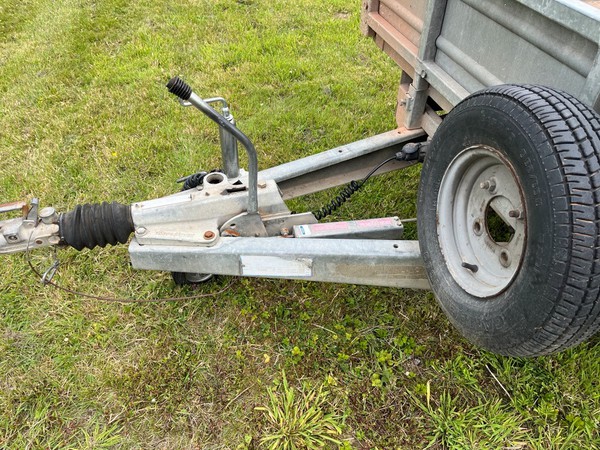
{"type": "Point", "coordinates": [498, 100]}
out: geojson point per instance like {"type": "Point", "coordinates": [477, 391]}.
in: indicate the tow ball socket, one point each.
{"type": "Point", "coordinates": [181, 89]}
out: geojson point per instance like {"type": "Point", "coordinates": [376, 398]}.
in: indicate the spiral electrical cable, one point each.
{"type": "Point", "coordinates": [193, 181]}
{"type": "Point", "coordinates": [339, 200]}
{"type": "Point", "coordinates": [347, 192]}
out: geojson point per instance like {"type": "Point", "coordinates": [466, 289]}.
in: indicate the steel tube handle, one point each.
{"type": "Point", "coordinates": [178, 87]}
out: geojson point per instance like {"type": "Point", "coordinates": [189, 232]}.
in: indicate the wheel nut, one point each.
{"type": "Point", "coordinates": [209, 235]}
{"type": "Point", "coordinates": [489, 185]}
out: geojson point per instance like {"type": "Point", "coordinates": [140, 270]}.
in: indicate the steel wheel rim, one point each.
{"type": "Point", "coordinates": [481, 222]}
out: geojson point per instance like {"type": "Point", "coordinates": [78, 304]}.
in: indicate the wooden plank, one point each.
{"type": "Point", "coordinates": [368, 6]}
{"type": "Point", "coordinates": [400, 24]}
{"type": "Point", "coordinates": [412, 14]}
{"type": "Point", "coordinates": [404, 65]}
{"type": "Point", "coordinates": [396, 40]}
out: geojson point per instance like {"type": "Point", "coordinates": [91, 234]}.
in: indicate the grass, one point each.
{"type": "Point", "coordinates": [84, 116]}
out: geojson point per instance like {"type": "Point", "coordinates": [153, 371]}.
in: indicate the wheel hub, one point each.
{"type": "Point", "coordinates": [481, 223]}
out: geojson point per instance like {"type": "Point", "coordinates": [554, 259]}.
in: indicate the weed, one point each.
{"type": "Point", "coordinates": [299, 419]}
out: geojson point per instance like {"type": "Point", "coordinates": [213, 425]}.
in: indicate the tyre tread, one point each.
{"type": "Point", "coordinates": [576, 315]}
{"type": "Point", "coordinates": [573, 174]}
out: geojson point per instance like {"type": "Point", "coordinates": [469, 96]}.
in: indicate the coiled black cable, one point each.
{"type": "Point", "coordinates": [347, 192]}
{"type": "Point", "coordinates": [193, 181]}
{"type": "Point", "coordinates": [339, 200]}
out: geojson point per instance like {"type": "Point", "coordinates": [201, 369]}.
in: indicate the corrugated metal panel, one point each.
{"type": "Point", "coordinates": [493, 42]}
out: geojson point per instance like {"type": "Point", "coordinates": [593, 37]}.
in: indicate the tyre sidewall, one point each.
{"type": "Point", "coordinates": [509, 319]}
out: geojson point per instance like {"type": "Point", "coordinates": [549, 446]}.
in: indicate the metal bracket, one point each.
{"type": "Point", "coordinates": [19, 234]}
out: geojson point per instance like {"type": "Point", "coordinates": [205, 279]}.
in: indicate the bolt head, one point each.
{"type": "Point", "coordinates": [209, 235]}
{"type": "Point", "coordinates": [515, 214]}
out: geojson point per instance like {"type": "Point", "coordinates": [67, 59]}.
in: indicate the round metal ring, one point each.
{"type": "Point", "coordinates": [481, 223]}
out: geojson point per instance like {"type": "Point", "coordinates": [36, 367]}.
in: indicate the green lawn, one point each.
{"type": "Point", "coordinates": [85, 117]}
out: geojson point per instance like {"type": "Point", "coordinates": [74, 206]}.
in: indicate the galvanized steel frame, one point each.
{"type": "Point", "coordinates": [354, 261]}
{"type": "Point", "coordinates": [340, 165]}
{"type": "Point", "coordinates": [394, 263]}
